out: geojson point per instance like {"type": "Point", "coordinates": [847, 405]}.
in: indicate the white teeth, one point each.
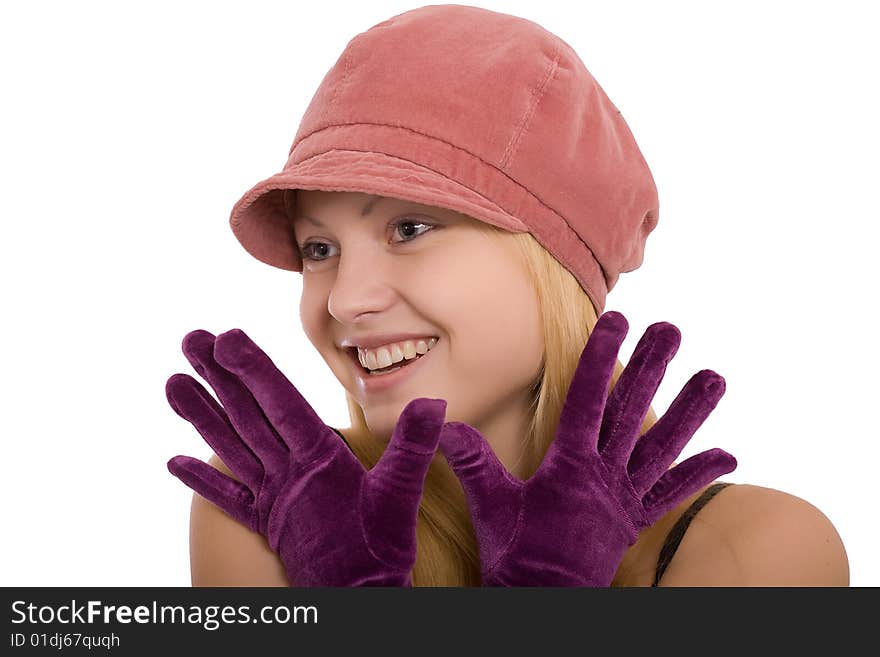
{"type": "Point", "coordinates": [374, 359]}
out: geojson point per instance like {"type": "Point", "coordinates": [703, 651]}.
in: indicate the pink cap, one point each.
{"type": "Point", "coordinates": [478, 112]}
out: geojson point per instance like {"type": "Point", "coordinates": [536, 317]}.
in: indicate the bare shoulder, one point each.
{"type": "Point", "coordinates": [223, 552]}
{"type": "Point", "coordinates": [755, 536]}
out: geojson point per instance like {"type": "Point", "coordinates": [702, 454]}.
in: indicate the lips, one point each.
{"type": "Point", "coordinates": [374, 386]}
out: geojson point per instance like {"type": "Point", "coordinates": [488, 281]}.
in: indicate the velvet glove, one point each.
{"type": "Point", "coordinates": [332, 522]}
{"type": "Point", "coordinates": [572, 521]}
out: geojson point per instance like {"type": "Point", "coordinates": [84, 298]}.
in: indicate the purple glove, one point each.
{"type": "Point", "coordinates": [332, 522]}
{"type": "Point", "coordinates": [572, 521]}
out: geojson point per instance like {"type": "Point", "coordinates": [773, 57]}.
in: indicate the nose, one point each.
{"type": "Point", "coordinates": [364, 284]}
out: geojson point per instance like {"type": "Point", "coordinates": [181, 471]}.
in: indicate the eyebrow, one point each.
{"type": "Point", "coordinates": [367, 209]}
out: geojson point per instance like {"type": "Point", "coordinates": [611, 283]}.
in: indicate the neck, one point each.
{"type": "Point", "coordinates": [505, 430]}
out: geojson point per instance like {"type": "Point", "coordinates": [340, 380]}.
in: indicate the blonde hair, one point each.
{"type": "Point", "coordinates": [447, 549]}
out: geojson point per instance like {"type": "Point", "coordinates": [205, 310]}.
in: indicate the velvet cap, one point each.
{"type": "Point", "coordinates": [478, 112]}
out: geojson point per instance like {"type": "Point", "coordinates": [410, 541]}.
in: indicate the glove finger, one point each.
{"type": "Point", "coordinates": [242, 409]}
{"type": "Point", "coordinates": [494, 496]}
{"type": "Point", "coordinates": [305, 435]}
{"type": "Point", "coordinates": [663, 442]}
{"type": "Point", "coordinates": [193, 403]}
{"type": "Point", "coordinates": [393, 489]}
{"type": "Point", "coordinates": [630, 400]}
{"type": "Point", "coordinates": [223, 491]}
{"type": "Point", "coordinates": [581, 417]}
{"type": "Point", "coordinates": [685, 479]}
{"type": "Point", "coordinates": [401, 470]}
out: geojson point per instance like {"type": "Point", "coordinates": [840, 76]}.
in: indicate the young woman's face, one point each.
{"type": "Point", "coordinates": [410, 268]}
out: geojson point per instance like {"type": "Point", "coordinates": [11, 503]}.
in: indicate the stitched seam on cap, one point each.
{"type": "Point", "coordinates": [418, 164]}
{"type": "Point", "coordinates": [526, 119]}
{"type": "Point", "coordinates": [347, 71]}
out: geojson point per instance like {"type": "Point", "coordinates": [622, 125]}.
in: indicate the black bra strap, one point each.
{"type": "Point", "coordinates": [676, 534]}
{"type": "Point", "coordinates": [343, 439]}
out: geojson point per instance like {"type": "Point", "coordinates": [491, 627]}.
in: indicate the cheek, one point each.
{"type": "Point", "coordinates": [312, 314]}
{"type": "Point", "coordinates": [497, 332]}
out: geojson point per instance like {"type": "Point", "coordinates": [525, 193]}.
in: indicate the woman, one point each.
{"type": "Point", "coordinates": [528, 197]}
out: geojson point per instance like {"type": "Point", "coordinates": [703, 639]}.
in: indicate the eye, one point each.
{"type": "Point", "coordinates": [316, 251]}
{"type": "Point", "coordinates": [404, 222]}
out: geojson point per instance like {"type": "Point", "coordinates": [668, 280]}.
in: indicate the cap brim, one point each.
{"type": "Point", "coordinates": [261, 224]}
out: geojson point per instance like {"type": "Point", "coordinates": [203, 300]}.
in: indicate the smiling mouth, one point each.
{"type": "Point", "coordinates": [353, 354]}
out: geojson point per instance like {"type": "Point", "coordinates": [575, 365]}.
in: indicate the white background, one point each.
{"type": "Point", "coordinates": [129, 130]}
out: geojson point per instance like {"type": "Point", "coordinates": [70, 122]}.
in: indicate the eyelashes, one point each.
{"type": "Point", "coordinates": [308, 254]}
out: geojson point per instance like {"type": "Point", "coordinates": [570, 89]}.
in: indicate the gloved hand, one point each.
{"type": "Point", "coordinates": [597, 487]}
{"type": "Point", "coordinates": [332, 522]}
